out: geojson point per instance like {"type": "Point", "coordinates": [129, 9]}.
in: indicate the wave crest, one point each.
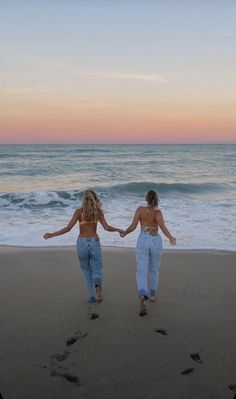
{"type": "Point", "coordinates": [66, 198]}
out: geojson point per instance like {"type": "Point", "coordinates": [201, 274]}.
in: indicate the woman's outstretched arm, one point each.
{"type": "Point", "coordinates": [71, 223]}
{"type": "Point", "coordinates": [133, 225]}
{"type": "Point", "coordinates": [105, 225]}
{"type": "Point", "coordinates": [164, 229]}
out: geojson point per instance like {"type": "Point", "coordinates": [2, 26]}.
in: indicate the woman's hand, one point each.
{"type": "Point", "coordinates": [122, 233]}
{"type": "Point", "coordinates": [47, 235]}
{"type": "Point", "coordinates": [172, 240]}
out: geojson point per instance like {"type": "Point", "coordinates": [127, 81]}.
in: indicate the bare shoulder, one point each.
{"type": "Point", "coordinates": [140, 210]}
{"type": "Point", "coordinates": [101, 216]}
{"type": "Point", "coordinates": [159, 214]}
{"type": "Point", "coordinates": [78, 212]}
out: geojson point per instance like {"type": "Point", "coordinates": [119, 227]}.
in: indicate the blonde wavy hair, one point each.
{"type": "Point", "coordinates": [91, 206]}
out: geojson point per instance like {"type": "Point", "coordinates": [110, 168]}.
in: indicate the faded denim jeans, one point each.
{"type": "Point", "coordinates": [90, 257]}
{"type": "Point", "coordinates": [148, 256]}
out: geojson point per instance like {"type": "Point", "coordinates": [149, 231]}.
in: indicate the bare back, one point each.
{"type": "Point", "coordinates": [148, 217]}
{"type": "Point", "coordinates": [87, 229]}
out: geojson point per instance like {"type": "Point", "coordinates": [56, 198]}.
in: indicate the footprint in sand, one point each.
{"type": "Point", "coordinates": [70, 341]}
{"type": "Point", "coordinates": [196, 357]}
{"type": "Point", "coordinates": [71, 378]}
{"type": "Point", "coordinates": [94, 316]}
{"type": "Point", "coordinates": [232, 387]}
{"type": "Point", "coordinates": [161, 331]}
{"type": "Point", "coordinates": [187, 371]}
{"type": "Point", "coordinates": [57, 369]}
{"type": "Point", "coordinates": [78, 335]}
{"type": "Point", "coordinates": [60, 356]}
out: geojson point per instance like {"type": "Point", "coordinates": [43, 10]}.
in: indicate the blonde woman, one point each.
{"type": "Point", "coordinates": [148, 248]}
{"type": "Point", "coordinates": [88, 244]}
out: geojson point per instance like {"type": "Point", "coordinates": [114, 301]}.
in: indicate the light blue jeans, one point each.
{"type": "Point", "coordinates": [148, 256]}
{"type": "Point", "coordinates": [90, 257]}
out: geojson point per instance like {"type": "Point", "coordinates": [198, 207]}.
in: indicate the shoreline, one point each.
{"type": "Point", "coordinates": [111, 247]}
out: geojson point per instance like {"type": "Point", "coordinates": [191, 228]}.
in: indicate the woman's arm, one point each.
{"type": "Point", "coordinates": [71, 223]}
{"type": "Point", "coordinates": [164, 229]}
{"type": "Point", "coordinates": [133, 225]}
{"type": "Point", "coordinates": [105, 225]}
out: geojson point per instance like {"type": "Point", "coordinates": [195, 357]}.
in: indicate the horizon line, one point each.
{"type": "Point", "coordinates": [129, 143]}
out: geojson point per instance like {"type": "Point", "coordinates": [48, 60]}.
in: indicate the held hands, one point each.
{"type": "Point", "coordinates": [122, 233]}
{"type": "Point", "coordinates": [172, 241]}
{"type": "Point", "coordinates": [47, 235]}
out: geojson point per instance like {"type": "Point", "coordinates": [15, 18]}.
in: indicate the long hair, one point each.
{"type": "Point", "coordinates": [91, 206]}
{"type": "Point", "coordinates": [152, 198]}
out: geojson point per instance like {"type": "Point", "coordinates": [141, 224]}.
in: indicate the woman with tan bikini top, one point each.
{"type": "Point", "coordinates": [148, 248]}
{"type": "Point", "coordinates": [88, 244]}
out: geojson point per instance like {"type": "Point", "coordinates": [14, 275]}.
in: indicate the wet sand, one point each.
{"type": "Point", "coordinates": [55, 346]}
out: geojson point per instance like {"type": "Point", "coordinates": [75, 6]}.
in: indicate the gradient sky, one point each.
{"type": "Point", "coordinates": [117, 71]}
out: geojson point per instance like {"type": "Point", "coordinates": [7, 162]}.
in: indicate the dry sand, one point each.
{"type": "Point", "coordinates": [48, 336]}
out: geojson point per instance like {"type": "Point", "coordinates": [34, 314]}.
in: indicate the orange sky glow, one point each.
{"type": "Point", "coordinates": [62, 123]}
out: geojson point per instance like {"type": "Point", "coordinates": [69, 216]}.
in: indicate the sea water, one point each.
{"type": "Point", "coordinates": [42, 185]}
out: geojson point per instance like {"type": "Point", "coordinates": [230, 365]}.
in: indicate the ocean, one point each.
{"type": "Point", "coordinates": [42, 185]}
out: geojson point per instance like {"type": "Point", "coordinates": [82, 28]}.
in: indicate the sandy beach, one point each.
{"type": "Point", "coordinates": [55, 346]}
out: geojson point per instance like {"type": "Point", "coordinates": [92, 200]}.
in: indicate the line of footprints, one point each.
{"type": "Point", "coordinates": [196, 358]}
{"type": "Point", "coordinates": [57, 369]}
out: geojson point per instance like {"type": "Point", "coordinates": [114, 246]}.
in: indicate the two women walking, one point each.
{"type": "Point", "coordinates": [148, 248]}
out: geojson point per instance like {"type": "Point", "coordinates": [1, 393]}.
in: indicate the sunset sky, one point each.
{"type": "Point", "coordinates": [117, 71]}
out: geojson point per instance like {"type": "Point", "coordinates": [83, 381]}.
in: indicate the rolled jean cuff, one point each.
{"type": "Point", "coordinates": [92, 299]}
{"type": "Point", "coordinates": [153, 292]}
{"type": "Point", "coordinates": [143, 293]}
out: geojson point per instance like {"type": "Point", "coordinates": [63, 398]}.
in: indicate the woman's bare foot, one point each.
{"type": "Point", "coordinates": [99, 296]}
{"type": "Point", "coordinates": [143, 309]}
{"type": "Point", "coordinates": [152, 298]}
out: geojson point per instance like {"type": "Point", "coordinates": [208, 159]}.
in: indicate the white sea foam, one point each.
{"type": "Point", "coordinates": [196, 224]}
{"type": "Point", "coordinates": [41, 186]}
